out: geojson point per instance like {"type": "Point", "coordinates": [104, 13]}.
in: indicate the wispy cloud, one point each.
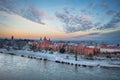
{"type": "Point", "coordinates": [104, 4]}
{"type": "Point", "coordinates": [75, 22]}
{"type": "Point", "coordinates": [22, 28]}
{"type": "Point", "coordinates": [32, 13]}
{"type": "Point", "coordinates": [7, 5]}
{"type": "Point", "coordinates": [101, 36]}
{"type": "Point", "coordinates": [114, 22]}
{"type": "Point", "coordinates": [28, 11]}
{"type": "Point", "coordinates": [110, 12]}
{"type": "Point", "coordinates": [95, 33]}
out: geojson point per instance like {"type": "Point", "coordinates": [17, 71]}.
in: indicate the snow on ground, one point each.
{"type": "Point", "coordinates": [66, 58]}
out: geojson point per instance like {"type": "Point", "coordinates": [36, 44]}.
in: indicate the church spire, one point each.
{"type": "Point", "coordinates": [12, 37]}
{"type": "Point", "coordinates": [45, 38]}
{"type": "Point", "coordinates": [49, 39]}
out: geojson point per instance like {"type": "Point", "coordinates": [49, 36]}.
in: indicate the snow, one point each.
{"type": "Point", "coordinates": [109, 50]}
{"type": "Point", "coordinates": [66, 58]}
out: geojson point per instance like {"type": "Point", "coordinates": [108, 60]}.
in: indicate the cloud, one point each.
{"type": "Point", "coordinates": [7, 5]}
{"type": "Point", "coordinates": [101, 36]}
{"type": "Point", "coordinates": [95, 33]}
{"type": "Point", "coordinates": [75, 22]}
{"type": "Point", "coordinates": [114, 22]}
{"type": "Point", "coordinates": [104, 4]}
{"type": "Point", "coordinates": [25, 28]}
{"type": "Point", "coordinates": [91, 5]}
{"type": "Point", "coordinates": [28, 11]}
{"type": "Point", "coordinates": [32, 13]}
{"type": "Point", "coordinates": [110, 12]}
{"type": "Point", "coordinates": [66, 10]}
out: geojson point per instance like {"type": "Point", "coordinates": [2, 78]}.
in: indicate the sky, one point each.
{"type": "Point", "coordinates": [60, 19]}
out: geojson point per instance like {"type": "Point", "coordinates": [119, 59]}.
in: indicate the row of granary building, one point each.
{"type": "Point", "coordinates": [79, 48]}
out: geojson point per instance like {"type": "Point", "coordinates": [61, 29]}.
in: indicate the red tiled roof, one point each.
{"type": "Point", "coordinates": [89, 48]}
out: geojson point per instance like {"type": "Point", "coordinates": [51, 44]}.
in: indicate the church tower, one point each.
{"type": "Point", "coordinates": [45, 39]}
{"type": "Point", "coordinates": [12, 37]}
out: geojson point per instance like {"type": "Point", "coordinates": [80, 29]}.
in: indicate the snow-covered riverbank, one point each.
{"type": "Point", "coordinates": [64, 58]}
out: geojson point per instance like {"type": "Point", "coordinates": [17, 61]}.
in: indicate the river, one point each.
{"type": "Point", "coordinates": [21, 68]}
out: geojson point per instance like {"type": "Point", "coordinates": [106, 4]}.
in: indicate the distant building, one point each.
{"type": "Point", "coordinates": [90, 50]}
{"type": "Point", "coordinates": [78, 48]}
{"type": "Point", "coordinates": [110, 49]}
{"type": "Point", "coordinates": [46, 42]}
{"type": "Point", "coordinates": [41, 44]}
{"type": "Point", "coordinates": [40, 39]}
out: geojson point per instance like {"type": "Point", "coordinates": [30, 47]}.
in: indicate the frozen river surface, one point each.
{"type": "Point", "coordinates": [21, 68]}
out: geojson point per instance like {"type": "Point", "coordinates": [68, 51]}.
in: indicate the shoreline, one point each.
{"type": "Point", "coordinates": [59, 58]}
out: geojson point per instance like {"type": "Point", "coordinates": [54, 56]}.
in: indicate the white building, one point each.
{"type": "Point", "coordinates": [110, 49]}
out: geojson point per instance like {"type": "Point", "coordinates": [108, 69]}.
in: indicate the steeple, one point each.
{"type": "Point", "coordinates": [49, 39]}
{"type": "Point", "coordinates": [40, 39]}
{"type": "Point", "coordinates": [45, 38]}
{"type": "Point", "coordinates": [12, 37]}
